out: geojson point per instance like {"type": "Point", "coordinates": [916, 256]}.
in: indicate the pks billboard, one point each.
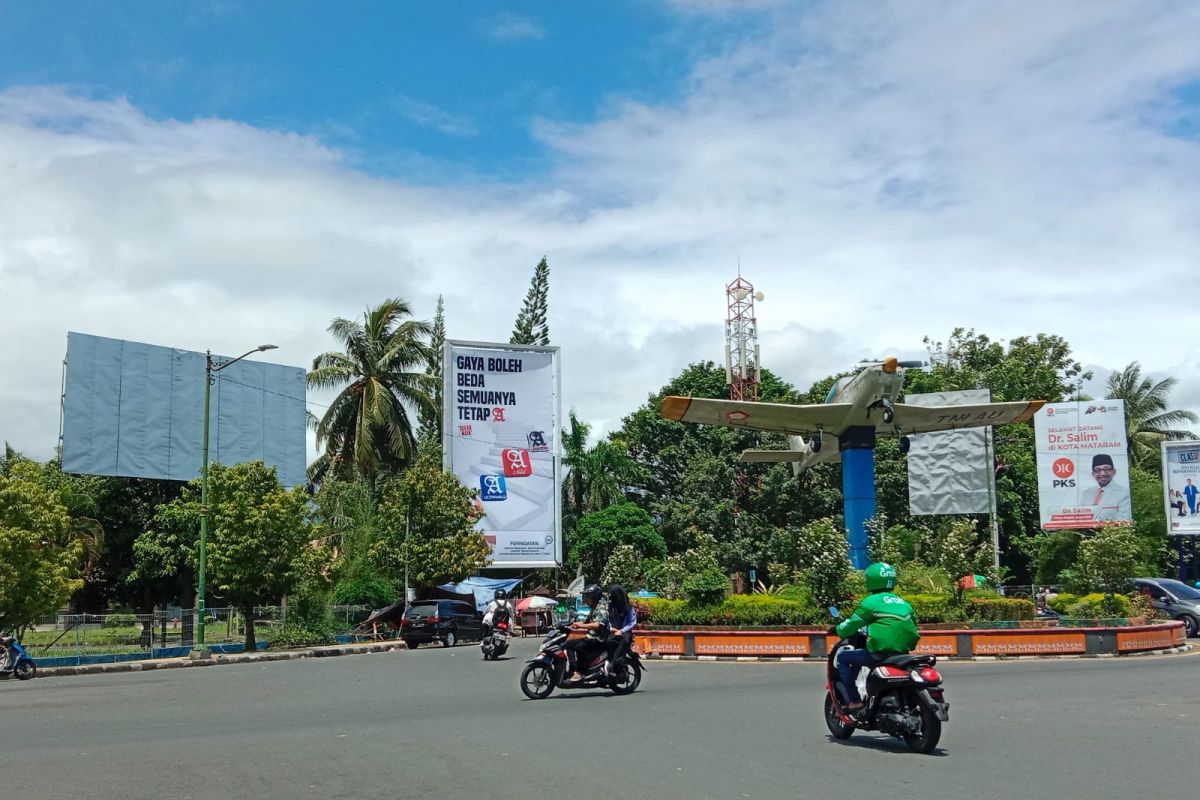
{"type": "Point", "coordinates": [1083, 464]}
{"type": "Point", "coordinates": [1181, 484]}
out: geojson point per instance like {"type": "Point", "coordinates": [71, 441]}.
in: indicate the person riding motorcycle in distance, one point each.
{"type": "Point", "coordinates": [500, 603]}
{"type": "Point", "coordinates": [891, 629]}
{"type": "Point", "coordinates": [596, 625]}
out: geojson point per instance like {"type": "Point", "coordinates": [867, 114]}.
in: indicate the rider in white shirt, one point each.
{"type": "Point", "coordinates": [499, 602]}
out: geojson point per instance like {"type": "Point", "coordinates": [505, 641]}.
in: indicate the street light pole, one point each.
{"type": "Point", "coordinates": [209, 369]}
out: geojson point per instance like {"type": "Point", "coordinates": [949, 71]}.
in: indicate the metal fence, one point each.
{"type": "Point", "coordinates": [74, 638]}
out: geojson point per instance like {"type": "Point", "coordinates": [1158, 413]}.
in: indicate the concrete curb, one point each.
{"type": "Point", "coordinates": [215, 661]}
{"type": "Point", "coordinates": [821, 659]}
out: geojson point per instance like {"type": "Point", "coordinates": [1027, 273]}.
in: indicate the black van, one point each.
{"type": "Point", "coordinates": [445, 621]}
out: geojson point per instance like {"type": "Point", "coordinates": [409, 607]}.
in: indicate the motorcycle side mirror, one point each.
{"type": "Point", "coordinates": [833, 612]}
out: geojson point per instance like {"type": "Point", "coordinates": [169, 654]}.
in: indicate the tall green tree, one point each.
{"type": "Point", "coordinates": [574, 488]}
{"type": "Point", "coordinates": [531, 326]}
{"type": "Point", "coordinates": [39, 559]}
{"type": "Point", "coordinates": [600, 533]}
{"type": "Point", "coordinates": [1148, 421]}
{"type": "Point", "coordinates": [260, 547]}
{"type": "Point", "coordinates": [431, 419]}
{"type": "Point", "coordinates": [382, 372]}
{"type": "Point", "coordinates": [427, 521]}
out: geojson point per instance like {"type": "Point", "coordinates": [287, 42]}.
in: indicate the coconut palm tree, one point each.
{"type": "Point", "coordinates": [574, 488]}
{"type": "Point", "coordinates": [381, 372]}
{"type": "Point", "coordinates": [1146, 415]}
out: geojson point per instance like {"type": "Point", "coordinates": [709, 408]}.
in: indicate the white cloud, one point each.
{"type": "Point", "coordinates": [430, 116]}
{"type": "Point", "coordinates": [881, 172]}
{"type": "Point", "coordinates": [511, 28]}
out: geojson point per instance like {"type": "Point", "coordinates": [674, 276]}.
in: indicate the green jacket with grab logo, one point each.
{"type": "Point", "coordinates": [890, 622]}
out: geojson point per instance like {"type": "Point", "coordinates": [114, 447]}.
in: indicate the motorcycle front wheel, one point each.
{"type": "Point", "coordinates": [837, 727]}
{"type": "Point", "coordinates": [25, 670]}
{"type": "Point", "coordinates": [537, 681]}
{"type": "Point", "coordinates": [931, 730]}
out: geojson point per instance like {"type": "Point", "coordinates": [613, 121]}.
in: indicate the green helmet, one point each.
{"type": "Point", "coordinates": [881, 576]}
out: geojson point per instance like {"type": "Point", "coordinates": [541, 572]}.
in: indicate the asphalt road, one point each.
{"type": "Point", "coordinates": [442, 723]}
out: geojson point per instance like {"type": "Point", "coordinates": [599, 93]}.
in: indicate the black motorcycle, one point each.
{"type": "Point", "coordinates": [495, 640]}
{"type": "Point", "coordinates": [904, 698]}
{"type": "Point", "coordinates": [552, 665]}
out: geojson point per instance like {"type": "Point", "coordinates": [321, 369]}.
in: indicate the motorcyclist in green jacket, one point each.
{"type": "Point", "coordinates": [891, 629]}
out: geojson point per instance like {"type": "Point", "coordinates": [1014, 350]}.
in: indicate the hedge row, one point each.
{"type": "Point", "coordinates": [768, 611]}
{"type": "Point", "coordinates": [1090, 606]}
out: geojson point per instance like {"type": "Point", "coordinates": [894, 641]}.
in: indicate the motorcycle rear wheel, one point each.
{"type": "Point", "coordinates": [537, 681]}
{"type": "Point", "coordinates": [632, 680]}
{"type": "Point", "coordinates": [25, 670]}
{"type": "Point", "coordinates": [837, 727]}
{"type": "Point", "coordinates": [931, 730]}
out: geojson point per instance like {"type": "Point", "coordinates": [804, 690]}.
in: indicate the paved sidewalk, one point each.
{"type": "Point", "coordinates": [215, 661]}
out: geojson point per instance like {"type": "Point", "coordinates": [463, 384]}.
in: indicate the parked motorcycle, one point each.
{"type": "Point", "coordinates": [903, 697]}
{"type": "Point", "coordinates": [495, 643]}
{"type": "Point", "coordinates": [551, 667]}
{"type": "Point", "coordinates": [14, 660]}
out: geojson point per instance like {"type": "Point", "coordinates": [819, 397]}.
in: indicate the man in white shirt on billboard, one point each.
{"type": "Point", "coordinates": [1110, 499]}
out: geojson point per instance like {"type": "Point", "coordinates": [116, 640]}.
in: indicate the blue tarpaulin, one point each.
{"type": "Point", "coordinates": [482, 588]}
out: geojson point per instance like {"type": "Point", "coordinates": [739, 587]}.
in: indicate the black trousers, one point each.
{"type": "Point", "coordinates": [623, 642]}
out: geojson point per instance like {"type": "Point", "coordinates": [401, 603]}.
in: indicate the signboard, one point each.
{"type": "Point", "coordinates": [1181, 486]}
{"type": "Point", "coordinates": [137, 410]}
{"type": "Point", "coordinates": [1083, 464]}
{"type": "Point", "coordinates": [950, 472]}
{"type": "Point", "coordinates": [501, 422]}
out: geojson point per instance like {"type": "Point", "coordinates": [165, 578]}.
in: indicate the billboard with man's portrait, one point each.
{"type": "Point", "coordinates": [1181, 485]}
{"type": "Point", "coordinates": [1083, 464]}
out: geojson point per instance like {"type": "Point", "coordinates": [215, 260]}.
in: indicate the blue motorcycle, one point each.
{"type": "Point", "coordinates": [14, 660]}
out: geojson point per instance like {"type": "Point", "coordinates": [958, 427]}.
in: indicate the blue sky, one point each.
{"type": "Point", "coordinates": [211, 174]}
{"type": "Point", "coordinates": [422, 91]}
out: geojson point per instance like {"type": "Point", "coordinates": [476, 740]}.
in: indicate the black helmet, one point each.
{"type": "Point", "coordinates": [501, 594]}
{"type": "Point", "coordinates": [592, 594]}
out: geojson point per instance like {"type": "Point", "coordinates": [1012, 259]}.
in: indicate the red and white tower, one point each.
{"type": "Point", "coordinates": [741, 340]}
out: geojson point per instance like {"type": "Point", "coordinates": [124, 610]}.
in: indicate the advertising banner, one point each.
{"type": "Point", "coordinates": [1082, 463]}
{"type": "Point", "coordinates": [500, 429]}
{"type": "Point", "coordinates": [137, 410]}
{"type": "Point", "coordinates": [1181, 484]}
{"type": "Point", "coordinates": [950, 472]}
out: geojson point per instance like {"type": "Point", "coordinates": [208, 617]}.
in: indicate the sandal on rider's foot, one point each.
{"type": "Point", "coordinates": [576, 678]}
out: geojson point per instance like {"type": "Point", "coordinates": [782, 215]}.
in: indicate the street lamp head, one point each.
{"type": "Point", "coordinates": [262, 347]}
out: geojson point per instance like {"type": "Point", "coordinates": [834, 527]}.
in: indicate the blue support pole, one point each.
{"type": "Point", "coordinates": [858, 489]}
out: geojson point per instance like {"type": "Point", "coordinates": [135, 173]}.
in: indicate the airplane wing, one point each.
{"type": "Point", "coordinates": [926, 419]}
{"type": "Point", "coordinates": [779, 417]}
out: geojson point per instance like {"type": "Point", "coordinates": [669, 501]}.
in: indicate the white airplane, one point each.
{"type": "Point", "coordinates": [865, 400]}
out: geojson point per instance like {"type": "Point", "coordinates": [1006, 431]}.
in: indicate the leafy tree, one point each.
{"type": "Point", "coordinates": [382, 374]}
{"type": "Point", "coordinates": [574, 486]}
{"type": "Point", "coordinates": [624, 567]}
{"type": "Point", "coordinates": [347, 521]}
{"type": "Point", "coordinates": [668, 576]}
{"type": "Point", "coordinates": [531, 326]}
{"type": "Point", "coordinates": [961, 550]}
{"type": "Point", "coordinates": [427, 521]}
{"type": "Point", "coordinates": [260, 544]}
{"type": "Point", "coordinates": [1147, 419]}
{"type": "Point", "coordinates": [1109, 560]}
{"type": "Point", "coordinates": [821, 558]}
{"type": "Point", "coordinates": [38, 557]}
{"type": "Point", "coordinates": [706, 587]}
{"type": "Point", "coordinates": [601, 532]}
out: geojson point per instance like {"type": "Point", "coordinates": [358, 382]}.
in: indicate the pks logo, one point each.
{"type": "Point", "coordinates": [1189, 456]}
{"type": "Point", "coordinates": [1049, 411]}
{"type": "Point", "coordinates": [1063, 469]}
{"type": "Point", "coordinates": [516, 463]}
{"type": "Point", "coordinates": [492, 488]}
{"type": "Point", "coordinates": [537, 441]}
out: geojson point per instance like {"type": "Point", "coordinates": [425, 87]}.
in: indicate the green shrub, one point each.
{"type": "Point", "coordinates": [364, 590]}
{"type": "Point", "coordinates": [999, 608]}
{"type": "Point", "coordinates": [931, 608]}
{"type": "Point", "coordinates": [1097, 605]}
{"type": "Point", "coordinates": [120, 621]}
{"type": "Point", "coordinates": [705, 588]}
{"type": "Point", "coordinates": [737, 610]}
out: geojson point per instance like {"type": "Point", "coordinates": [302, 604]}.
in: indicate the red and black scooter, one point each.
{"type": "Point", "coordinates": [904, 698]}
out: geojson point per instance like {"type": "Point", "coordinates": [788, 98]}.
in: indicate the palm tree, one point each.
{"type": "Point", "coordinates": [1146, 415]}
{"type": "Point", "coordinates": [574, 459]}
{"type": "Point", "coordinates": [367, 429]}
